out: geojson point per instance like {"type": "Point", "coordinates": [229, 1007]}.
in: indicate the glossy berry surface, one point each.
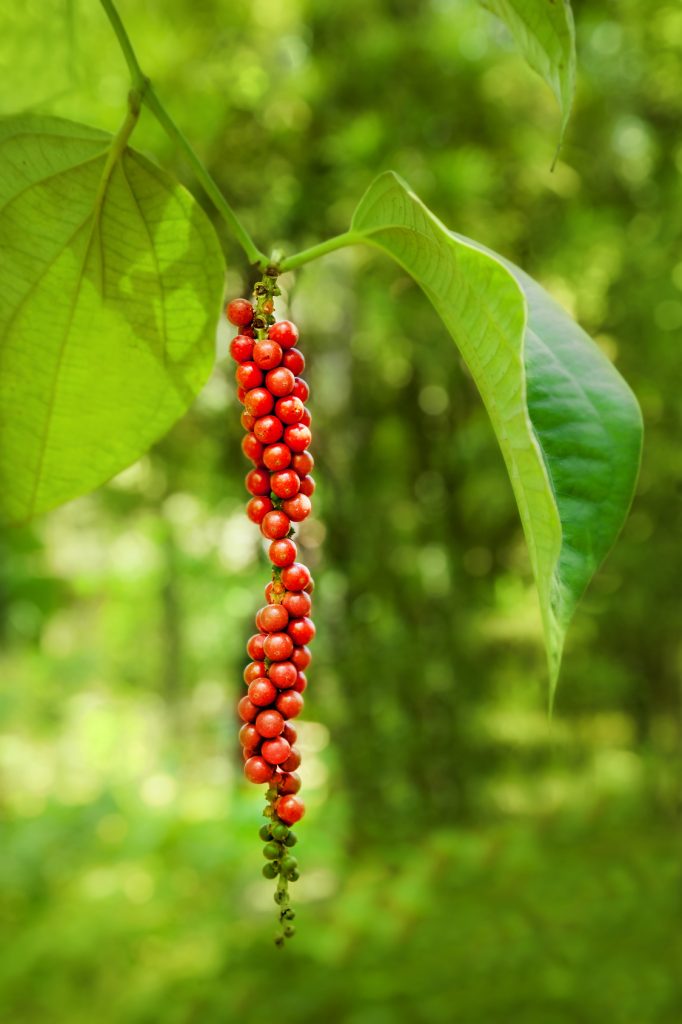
{"type": "Point", "coordinates": [284, 333]}
{"type": "Point", "coordinates": [268, 723]}
{"type": "Point", "coordinates": [276, 751]}
{"type": "Point", "coordinates": [299, 507]}
{"type": "Point", "coordinates": [296, 576]}
{"type": "Point", "coordinates": [275, 525]}
{"type": "Point", "coordinates": [239, 312]}
{"type": "Point", "coordinates": [257, 769]}
{"type": "Point", "coordinates": [282, 553]}
{"type": "Point", "coordinates": [278, 646]}
{"type": "Point", "coordinates": [241, 348]}
{"type": "Point", "coordinates": [285, 484]}
{"type": "Point", "coordinates": [289, 703]}
{"type": "Point", "coordinates": [280, 382]}
{"type": "Point", "coordinates": [272, 618]}
{"type": "Point", "coordinates": [290, 809]}
{"type": "Point", "coordinates": [276, 456]}
{"type": "Point", "coordinates": [258, 508]}
{"type": "Point", "coordinates": [267, 354]}
{"type": "Point", "coordinates": [283, 674]}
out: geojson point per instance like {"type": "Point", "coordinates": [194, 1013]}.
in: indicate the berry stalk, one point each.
{"type": "Point", "coordinates": [277, 438]}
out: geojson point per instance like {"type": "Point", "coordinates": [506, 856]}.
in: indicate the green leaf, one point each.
{"type": "Point", "coordinates": [568, 425]}
{"type": "Point", "coordinates": [111, 280]}
{"type": "Point", "coordinates": [545, 34]}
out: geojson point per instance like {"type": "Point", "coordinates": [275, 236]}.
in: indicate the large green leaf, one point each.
{"type": "Point", "coordinates": [545, 34]}
{"type": "Point", "coordinates": [568, 425]}
{"type": "Point", "coordinates": [111, 279]}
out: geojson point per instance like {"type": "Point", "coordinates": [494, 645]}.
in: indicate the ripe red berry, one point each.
{"type": "Point", "coordinates": [296, 576]}
{"type": "Point", "coordinates": [285, 484]}
{"type": "Point", "coordinates": [297, 603]}
{"type": "Point", "coordinates": [290, 809]}
{"type": "Point", "coordinates": [247, 710]}
{"type": "Point", "coordinates": [297, 508]}
{"type": "Point", "coordinates": [301, 390]}
{"type": "Point", "coordinates": [248, 375]}
{"type": "Point", "coordinates": [301, 679]}
{"type": "Point", "coordinates": [247, 420]}
{"type": "Point", "coordinates": [241, 348]}
{"type": "Point", "coordinates": [249, 737]}
{"type": "Point", "coordinates": [283, 674]}
{"type": "Point", "coordinates": [290, 409]}
{"type": "Point", "coordinates": [289, 733]}
{"type": "Point", "coordinates": [268, 429]}
{"type": "Point", "coordinates": [253, 670]}
{"type": "Point", "coordinates": [282, 553]}
{"type": "Point", "coordinates": [239, 312]}
{"type": "Point", "coordinates": [294, 360]}
{"type": "Point", "coordinates": [258, 508]}
{"type": "Point", "coordinates": [301, 631]}
{"type": "Point", "coordinates": [293, 760]}
{"type": "Point", "coordinates": [289, 703]}
{"type": "Point", "coordinates": [258, 770]}
{"type": "Point", "coordinates": [259, 402]}
{"type": "Point", "coordinates": [307, 486]}
{"type": "Point", "coordinates": [267, 354]}
{"type": "Point", "coordinates": [262, 692]}
{"type": "Point", "coordinates": [275, 525]}
{"type": "Point", "coordinates": [301, 658]}
{"type": "Point", "coordinates": [278, 647]}
{"type": "Point", "coordinates": [276, 751]}
{"type": "Point", "coordinates": [272, 618]}
{"type": "Point", "coordinates": [306, 419]}
{"type": "Point", "coordinates": [288, 783]}
{"type": "Point", "coordinates": [258, 482]}
{"type": "Point", "coordinates": [296, 436]}
{"type": "Point", "coordinates": [269, 723]}
{"type": "Point", "coordinates": [252, 448]}
{"type": "Point", "coordinates": [303, 463]}
{"type": "Point", "coordinates": [254, 647]}
{"type": "Point", "coordinates": [277, 456]}
{"type": "Point", "coordinates": [241, 394]}
{"type": "Point", "coordinates": [280, 381]}
{"type": "Point", "coordinates": [285, 333]}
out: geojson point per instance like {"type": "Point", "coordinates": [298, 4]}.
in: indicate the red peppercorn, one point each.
{"type": "Point", "coordinates": [297, 603]}
{"type": "Point", "coordinates": [258, 770]}
{"type": "Point", "coordinates": [278, 646]}
{"type": "Point", "coordinates": [258, 482]}
{"type": "Point", "coordinates": [258, 508]}
{"type": "Point", "coordinates": [303, 463]}
{"type": "Point", "coordinates": [248, 375]}
{"type": "Point", "coordinates": [252, 448]}
{"type": "Point", "coordinates": [301, 390]}
{"type": "Point", "coordinates": [267, 354]}
{"type": "Point", "coordinates": [301, 631]}
{"type": "Point", "coordinates": [247, 420]}
{"type": "Point", "coordinates": [306, 419]}
{"type": "Point", "coordinates": [289, 733]}
{"type": "Point", "coordinates": [296, 576]}
{"type": "Point", "coordinates": [283, 674]}
{"type": "Point", "coordinates": [307, 486]}
{"type": "Point", "coordinates": [297, 508]}
{"type": "Point", "coordinates": [277, 456]}
{"type": "Point", "coordinates": [294, 360]}
{"type": "Point", "coordinates": [285, 484]}
{"type": "Point", "coordinates": [249, 737]}
{"type": "Point", "coordinates": [269, 723]}
{"type": "Point", "coordinates": [254, 647]}
{"type": "Point", "coordinates": [301, 679]}
{"type": "Point", "coordinates": [261, 692]}
{"type": "Point", "coordinates": [253, 670]}
{"type": "Point", "coordinates": [268, 429]}
{"type": "Point", "coordinates": [259, 402]}
{"type": "Point", "coordinates": [241, 348]}
{"type": "Point", "coordinates": [288, 783]}
{"type": "Point", "coordinates": [290, 409]}
{"type": "Point", "coordinates": [293, 761]}
{"type": "Point", "coordinates": [289, 703]}
{"type": "Point", "coordinates": [296, 436]}
{"type": "Point", "coordinates": [280, 381]}
{"type": "Point", "coordinates": [247, 710]}
{"type": "Point", "coordinates": [276, 751]}
{"type": "Point", "coordinates": [275, 525]}
{"type": "Point", "coordinates": [272, 618]}
{"type": "Point", "coordinates": [301, 658]}
{"type": "Point", "coordinates": [285, 333]}
{"type": "Point", "coordinates": [282, 553]}
{"type": "Point", "coordinates": [241, 394]}
{"type": "Point", "coordinates": [290, 809]}
{"type": "Point", "coordinates": [239, 312]}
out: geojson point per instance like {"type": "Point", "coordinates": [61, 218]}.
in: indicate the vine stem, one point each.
{"type": "Point", "coordinates": [143, 86]}
{"type": "Point", "coordinates": [321, 249]}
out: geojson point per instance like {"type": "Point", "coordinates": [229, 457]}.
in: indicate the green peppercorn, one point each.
{"type": "Point", "coordinates": [294, 876]}
{"type": "Point", "coordinates": [272, 850]}
{"type": "Point", "coordinates": [289, 931]}
{"type": "Point", "coordinates": [264, 833]}
{"type": "Point", "coordinates": [280, 832]}
{"type": "Point", "coordinates": [271, 870]}
{"type": "Point", "coordinates": [288, 865]}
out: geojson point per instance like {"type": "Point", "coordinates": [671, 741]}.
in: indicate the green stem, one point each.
{"type": "Point", "coordinates": [143, 86]}
{"type": "Point", "coordinates": [315, 251]}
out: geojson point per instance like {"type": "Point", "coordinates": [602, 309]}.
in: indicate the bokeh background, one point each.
{"type": "Point", "coordinates": [464, 857]}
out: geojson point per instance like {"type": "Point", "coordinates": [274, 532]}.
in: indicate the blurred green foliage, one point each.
{"type": "Point", "coordinates": [464, 858]}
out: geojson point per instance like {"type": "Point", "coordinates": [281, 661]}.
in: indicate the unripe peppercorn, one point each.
{"type": "Point", "coordinates": [259, 402]}
{"type": "Point", "coordinates": [276, 456]}
{"type": "Point", "coordinates": [270, 870]}
{"type": "Point", "coordinates": [268, 724]}
{"type": "Point", "coordinates": [262, 692]}
{"type": "Point", "coordinates": [268, 429]}
{"type": "Point", "coordinates": [283, 674]}
{"type": "Point", "coordinates": [280, 382]}
{"type": "Point", "coordinates": [267, 354]}
{"type": "Point", "coordinates": [285, 484]}
{"type": "Point", "coordinates": [276, 751]}
{"type": "Point", "coordinates": [258, 769]}
{"type": "Point", "coordinates": [275, 525]}
{"type": "Point", "coordinates": [287, 864]}
{"type": "Point", "coordinates": [240, 312]}
{"type": "Point", "coordinates": [290, 809]}
{"type": "Point", "coordinates": [280, 832]}
{"type": "Point", "coordinates": [272, 850]}
{"type": "Point", "coordinates": [258, 508]}
{"type": "Point", "coordinates": [289, 410]}
{"type": "Point", "coordinates": [282, 553]}
{"type": "Point", "coordinates": [297, 508]}
{"type": "Point", "coordinates": [265, 834]}
{"type": "Point", "coordinates": [241, 348]}
{"type": "Point", "coordinates": [284, 333]}
{"type": "Point", "coordinates": [278, 646]}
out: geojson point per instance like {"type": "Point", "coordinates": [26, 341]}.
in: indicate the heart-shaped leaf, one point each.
{"type": "Point", "coordinates": [111, 279]}
{"type": "Point", "coordinates": [569, 427]}
{"type": "Point", "coordinates": [545, 34]}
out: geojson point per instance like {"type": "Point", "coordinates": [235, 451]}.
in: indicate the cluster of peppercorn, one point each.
{"type": "Point", "coordinates": [277, 440]}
